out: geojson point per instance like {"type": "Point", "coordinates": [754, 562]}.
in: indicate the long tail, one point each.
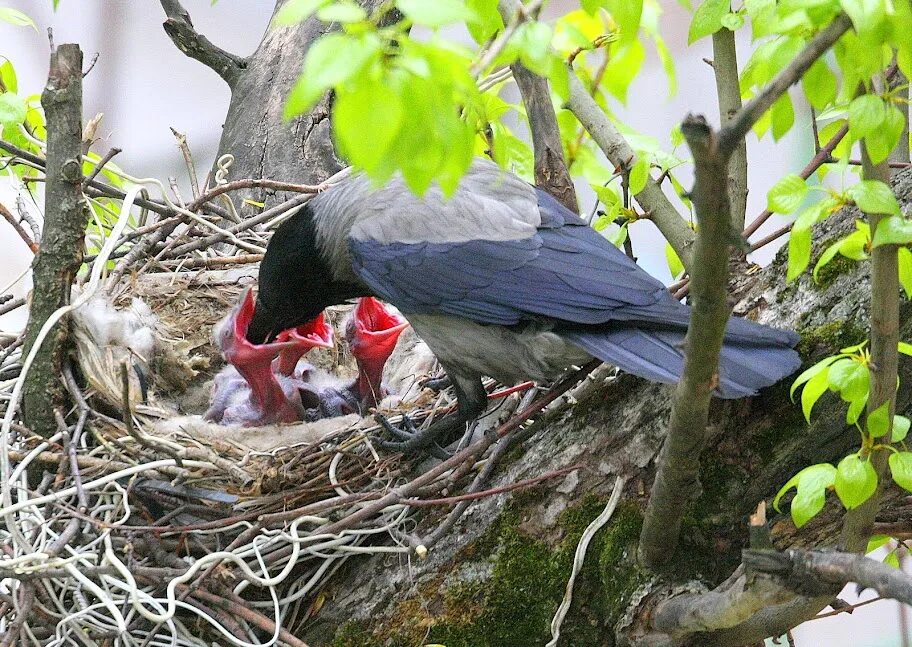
{"type": "Point", "coordinates": [753, 356]}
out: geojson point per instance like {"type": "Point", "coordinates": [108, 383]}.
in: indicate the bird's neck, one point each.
{"type": "Point", "coordinates": [370, 376]}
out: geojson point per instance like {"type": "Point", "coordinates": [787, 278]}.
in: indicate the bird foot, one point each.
{"type": "Point", "coordinates": [410, 439]}
{"type": "Point", "coordinates": [437, 384]}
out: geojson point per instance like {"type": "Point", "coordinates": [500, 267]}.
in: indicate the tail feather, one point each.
{"type": "Point", "coordinates": [752, 357]}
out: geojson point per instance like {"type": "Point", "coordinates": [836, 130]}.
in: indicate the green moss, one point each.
{"type": "Point", "coordinates": [829, 338]}
{"type": "Point", "coordinates": [514, 607]}
{"type": "Point", "coordinates": [833, 270]}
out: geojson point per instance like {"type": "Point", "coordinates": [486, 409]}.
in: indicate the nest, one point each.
{"type": "Point", "coordinates": [157, 527]}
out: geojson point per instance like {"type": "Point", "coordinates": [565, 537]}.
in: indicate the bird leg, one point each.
{"type": "Point", "coordinates": [372, 333]}
{"type": "Point", "coordinates": [472, 400]}
{"type": "Point", "coordinates": [316, 333]}
{"type": "Point", "coordinates": [437, 384]}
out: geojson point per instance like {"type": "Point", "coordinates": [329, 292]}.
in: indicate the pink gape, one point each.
{"type": "Point", "coordinates": [263, 387]}
{"type": "Point", "coordinates": [372, 333]}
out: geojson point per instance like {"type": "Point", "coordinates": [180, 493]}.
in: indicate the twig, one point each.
{"type": "Point", "coordinates": [188, 160]}
{"type": "Point", "coordinates": [144, 440]}
{"type": "Point", "coordinates": [27, 218]}
{"type": "Point", "coordinates": [883, 364]}
{"type": "Point", "coordinates": [481, 494]}
{"type": "Point", "coordinates": [100, 165]}
{"type": "Point", "coordinates": [32, 245]}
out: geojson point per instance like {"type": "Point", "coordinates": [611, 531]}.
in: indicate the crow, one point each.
{"type": "Point", "coordinates": [499, 279]}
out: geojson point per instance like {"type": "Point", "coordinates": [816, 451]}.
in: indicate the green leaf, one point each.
{"type": "Point", "coordinates": [294, 11]}
{"type": "Point", "coordinates": [330, 61]}
{"type": "Point", "coordinates": [819, 85]}
{"type": "Point", "coordinates": [905, 270]}
{"type": "Point", "coordinates": [811, 484]}
{"type": "Point", "coordinates": [16, 17]}
{"type": "Point", "coordinates": [787, 194]}
{"type": "Point", "coordinates": [487, 21]}
{"type": "Point", "coordinates": [639, 174]}
{"type": "Point", "coordinates": [623, 66]}
{"type": "Point", "coordinates": [733, 21]}
{"type": "Point", "coordinates": [876, 542]}
{"type": "Point", "coordinates": [812, 391]}
{"type": "Point", "coordinates": [436, 13]}
{"type": "Point", "coordinates": [879, 421]}
{"type": "Point", "coordinates": [799, 253]}
{"type": "Point", "coordinates": [707, 19]}
{"type": "Point", "coordinates": [8, 76]}
{"type": "Point", "coordinates": [866, 15]}
{"type": "Point", "coordinates": [866, 114]}
{"type": "Point", "coordinates": [627, 14]}
{"type": "Point", "coordinates": [894, 230]}
{"type": "Point", "coordinates": [12, 109]}
{"type": "Point", "coordinates": [619, 237]}
{"type": "Point", "coordinates": [783, 116]}
{"type": "Point", "coordinates": [811, 372]}
{"type": "Point", "coordinates": [900, 429]}
{"type": "Point", "coordinates": [534, 42]}
{"type": "Point", "coordinates": [343, 12]}
{"type": "Point", "coordinates": [675, 266]}
{"type": "Point", "coordinates": [892, 559]}
{"type": "Point", "coordinates": [901, 468]}
{"type": "Point", "coordinates": [857, 382]}
{"type": "Point", "coordinates": [366, 121]}
{"type": "Point", "coordinates": [856, 408]}
{"type": "Point", "coordinates": [881, 141]}
{"type": "Point", "coordinates": [855, 481]}
{"type": "Point", "coordinates": [905, 348]}
{"type": "Point", "coordinates": [873, 196]}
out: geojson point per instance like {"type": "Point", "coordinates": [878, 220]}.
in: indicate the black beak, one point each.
{"type": "Point", "coordinates": [260, 330]}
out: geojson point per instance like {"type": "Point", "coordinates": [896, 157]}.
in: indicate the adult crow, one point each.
{"type": "Point", "coordinates": [500, 280]}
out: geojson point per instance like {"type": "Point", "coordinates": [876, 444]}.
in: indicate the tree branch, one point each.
{"type": "Point", "coordinates": [65, 219]}
{"type": "Point", "coordinates": [884, 364]}
{"type": "Point", "coordinates": [725, 67]}
{"type": "Point", "coordinates": [180, 30]}
{"type": "Point", "coordinates": [651, 198]}
{"type": "Point", "coordinates": [732, 134]}
{"type": "Point", "coordinates": [551, 172]}
{"type": "Point", "coordinates": [677, 481]}
{"type": "Point", "coordinates": [802, 569]}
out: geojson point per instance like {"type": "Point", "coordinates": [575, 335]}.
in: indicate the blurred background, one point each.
{"type": "Point", "coordinates": [144, 85]}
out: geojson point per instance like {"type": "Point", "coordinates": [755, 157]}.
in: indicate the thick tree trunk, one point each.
{"type": "Point", "coordinates": [263, 143]}
{"type": "Point", "coordinates": [499, 576]}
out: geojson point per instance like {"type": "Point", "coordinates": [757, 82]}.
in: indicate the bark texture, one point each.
{"type": "Point", "coordinates": [65, 220]}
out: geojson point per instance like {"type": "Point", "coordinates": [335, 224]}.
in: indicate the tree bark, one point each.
{"type": "Point", "coordinates": [65, 219]}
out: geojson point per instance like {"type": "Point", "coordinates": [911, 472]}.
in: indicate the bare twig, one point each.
{"type": "Point", "coordinates": [188, 160]}
{"type": "Point", "coordinates": [11, 219]}
{"type": "Point", "coordinates": [99, 167]}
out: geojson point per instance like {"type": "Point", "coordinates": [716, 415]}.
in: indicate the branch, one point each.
{"type": "Point", "coordinates": [65, 219]}
{"type": "Point", "coordinates": [732, 134]}
{"type": "Point", "coordinates": [551, 172]}
{"type": "Point", "coordinates": [619, 152]}
{"type": "Point", "coordinates": [884, 362]}
{"type": "Point", "coordinates": [11, 219]}
{"type": "Point", "coordinates": [825, 569]}
{"type": "Point", "coordinates": [725, 67]}
{"type": "Point", "coordinates": [180, 30]}
{"type": "Point", "coordinates": [677, 480]}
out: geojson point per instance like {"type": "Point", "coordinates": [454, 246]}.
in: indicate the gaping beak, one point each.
{"type": "Point", "coordinates": [316, 333]}
{"type": "Point", "coordinates": [374, 330]}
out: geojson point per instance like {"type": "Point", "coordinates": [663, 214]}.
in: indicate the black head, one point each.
{"type": "Point", "coordinates": [295, 283]}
